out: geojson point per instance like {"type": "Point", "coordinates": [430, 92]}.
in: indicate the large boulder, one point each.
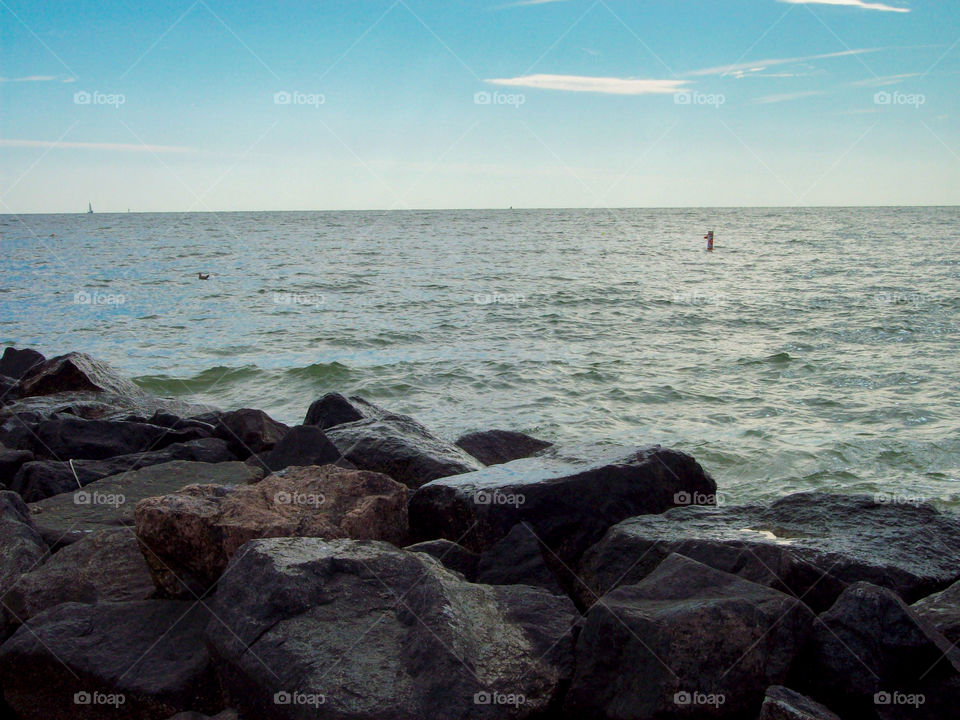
{"type": "Point", "coordinates": [247, 431]}
{"type": "Point", "coordinates": [784, 704]}
{"type": "Point", "coordinates": [43, 478]}
{"type": "Point", "coordinates": [75, 372]}
{"type": "Point", "coordinates": [809, 544]}
{"type": "Point", "coordinates": [17, 363]}
{"type": "Point", "coordinates": [143, 659]}
{"type": "Point", "coordinates": [568, 505]}
{"type": "Point", "coordinates": [106, 565]}
{"type": "Point", "coordinates": [360, 630]}
{"type": "Point", "coordinates": [493, 447]}
{"type": "Point", "coordinates": [687, 641]}
{"type": "Point", "coordinates": [303, 445]}
{"type": "Point", "coordinates": [399, 446]}
{"type": "Point", "coordinates": [65, 437]}
{"type": "Point", "coordinates": [452, 556]}
{"type": "Point", "coordinates": [21, 549]}
{"type": "Point", "coordinates": [110, 501]}
{"type": "Point", "coordinates": [874, 657]}
{"type": "Point", "coordinates": [942, 610]}
{"type": "Point", "coordinates": [189, 536]}
{"type": "Point", "coordinates": [518, 559]}
{"type": "Point", "coordinates": [334, 409]}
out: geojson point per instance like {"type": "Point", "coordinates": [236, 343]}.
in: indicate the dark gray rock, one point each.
{"type": "Point", "coordinates": [688, 641]}
{"type": "Point", "coordinates": [150, 652]}
{"type": "Point", "coordinates": [9, 390]}
{"type": "Point", "coordinates": [247, 431]}
{"type": "Point", "coordinates": [873, 657]}
{"type": "Point", "coordinates": [21, 549]}
{"type": "Point", "coordinates": [808, 544]}
{"type": "Point", "coordinates": [303, 445]}
{"type": "Point", "coordinates": [518, 559]}
{"type": "Point", "coordinates": [399, 446]}
{"type": "Point", "coordinates": [64, 437]}
{"type": "Point", "coordinates": [569, 505]}
{"type": "Point", "coordinates": [493, 447]}
{"type": "Point", "coordinates": [784, 704]}
{"type": "Point", "coordinates": [75, 372]}
{"type": "Point", "coordinates": [10, 463]}
{"type": "Point", "coordinates": [454, 557]}
{"type": "Point", "coordinates": [16, 363]}
{"type": "Point", "coordinates": [17, 429]}
{"type": "Point", "coordinates": [110, 501]}
{"type": "Point", "coordinates": [942, 610]}
{"type": "Point", "coordinates": [334, 409]}
{"type": "Point", "coordinates": [106, 565]}
{"type": "Point", "coordinates": [44, 478]}
{"type": "Point", "coordinates": [423, 643]}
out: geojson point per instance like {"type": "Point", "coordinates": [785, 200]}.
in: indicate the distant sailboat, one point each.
{"type": "Point", "coordinates": [89, 209]}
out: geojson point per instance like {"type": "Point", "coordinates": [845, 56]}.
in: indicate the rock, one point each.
{"type": "Point", "coordinates": [45, 478]}
{"type": "Point", "coordinates": [334, 409]}
{"type": "Point", "coordinates": [9, 390]}
{"type": "Point", "coordinates": [942, 610]}
{"type": "Point", "coordinates": [454, 557]}
{"type": "Point", "coordinates": [784, 704]}
{"type": "Point", "coordinates": [518, 559]}
{"type": "Point", "coordinates": [10, 463]}
{"type": "Point", "coordinates": [808, 544]}
{"type": "Point", "coordinates": [303, 445]}
{"type": "Point", "coordinates": [569, 505]}
{"type": "Point", "coordinates": [873, 657]}
{"type": "Point", "coordinates": [687, 641]}
{"type": "Point", "coordinates": [106, 565]}
{"type": "Point", "coordinates": [493, 447]}
{"type": "Point", "coordinates": [21, 549]}
{"type": "Point", "coordinates": [247, 431]}
{"type": "Point", "coordinates": [190, 536]}
{"type": "Point", "coordinates": [75, 372]}
{"type": "Point", "coordinates": [143, 659]}
{"type": "Point", "coordinates": [64, 437]}
{"type": "Point", "coordinates": [17, 429]}
{"type": "Point", "coordinates": [110, 501]}
{"type": "Point", "coordinates": [17, 363]}
{"type": "Point", "coordinates": [423, 642]}
{"type": "Point", "coordinates": [225, 715]}
{"type": "Point", "coordinates": [399, 446]}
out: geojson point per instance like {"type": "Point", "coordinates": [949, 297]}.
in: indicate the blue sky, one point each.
{"type": "Point", "coordinates": [214, 105]}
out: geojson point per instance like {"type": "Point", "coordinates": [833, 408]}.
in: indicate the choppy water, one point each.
{"type": "Point", "coordinates": [815, 348]}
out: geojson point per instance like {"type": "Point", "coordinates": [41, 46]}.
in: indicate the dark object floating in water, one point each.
{"type": "Point", "coordinates": [201, 276]}
{"type": "Point", "coordinates": [89, 208]}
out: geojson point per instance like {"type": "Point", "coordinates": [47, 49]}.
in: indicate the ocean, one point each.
{"type": "Point", "coordinates": [814, 348]}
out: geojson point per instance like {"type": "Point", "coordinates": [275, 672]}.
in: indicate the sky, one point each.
{"type": "Point", "coordinates": [210, 105]}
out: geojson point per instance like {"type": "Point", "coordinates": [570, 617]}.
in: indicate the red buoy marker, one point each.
{"type": "Point", "coordinates": [709, 238]}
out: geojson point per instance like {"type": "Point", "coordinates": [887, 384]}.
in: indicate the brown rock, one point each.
{"type": "Point", "coordinates": [75, 372]}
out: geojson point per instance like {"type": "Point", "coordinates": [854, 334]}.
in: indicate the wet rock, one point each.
{"type": "Point", "coordinates": [784, 704]}
{"type": "Point", "coordinates": [452, 556]}
{"type": "Point", "coordinates": [334, 409]}
{"type": "Point", "coordinates": [17, 363]}
{"type": "Point", "coordinates": [110, 501]}
{"type": "Point", "coordinates": [21, 549]}
{"type": "Point", "coordinates": [143, 659]}
{"type": "Point", "coordinates": [247, 431]}
{"type": "Point", "coordinates": [9, 390]}
{"type": "Point", "coordinates": [873, 657]}
{"type": "Point", "coordinates": [569, 505]}
{"type": "Point", "coordinates": [424, 642]}
{"type": "Point", "coordinates": [106, 565]}
{"type": "Point", "coordinates": [64, 437]}
{"type": "Point", "coordinates": [399, 446]}
{"type": "Point", "coordinates": [44, 478]}
{"type": "Point", "coordinates": [518, 559]}
{"type": "Point", "coordinates": [10, 462]}
{"type": "Point", "coordinates": [493, 447]}
{"type": "Point", "coordinates": [75, 372]}
{"type": "Point", "coordinates": [808, 544]}
{"type": "Point", "coordinates": [303, 445]}
{"type": "Point", "coordinates": [190, 536]}
{"type": "Point", "coordinates": [942, 610]}
{"type": "Point", "coordinates": [687, 639]}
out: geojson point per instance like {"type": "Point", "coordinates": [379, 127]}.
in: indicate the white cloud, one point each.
{"type": "Point", "coordinates": [123, 147]}
{"type": "Point", "coordinates": [40, 78]}
{"type": "Point", "coordinates": [850, 3]}
{"type": "Point", "coordinates": [886, 80]}
{"type": "Point", "coordinates": [745, 68]}
{"type": "Point", "coordinates": [607, 85]}
{"type": "Point", "coordinates": [786, 97]}
{"type": "Point", "coordinates": [522, 3]}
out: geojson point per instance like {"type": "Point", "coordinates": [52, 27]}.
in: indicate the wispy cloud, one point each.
{"type": "Point", "coordinates": [744, 69]}
{"type": "Point", "coordinates": [39, 78]}
{"type": "Point", "coordinates": [606, 85]}
{"type": "Point", "coordinates": [886, 80]}
{"type": "Point", "coordinates": [521, 3]}
{"type": "Point", "coordinates": [850, 3]}
{"type": "Point", "coordinates": [786, 97]}
{"type": "Point", "coordinates": [121, 147]}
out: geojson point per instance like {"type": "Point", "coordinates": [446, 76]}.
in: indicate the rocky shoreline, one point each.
{"type": "Point", "coordinates": [159, 560]}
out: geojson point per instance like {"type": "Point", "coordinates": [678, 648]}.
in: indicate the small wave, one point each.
{"type": "Point", "coordinates": [202, 382]}
{"type": "Point", "coordinates": [321, 372]}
